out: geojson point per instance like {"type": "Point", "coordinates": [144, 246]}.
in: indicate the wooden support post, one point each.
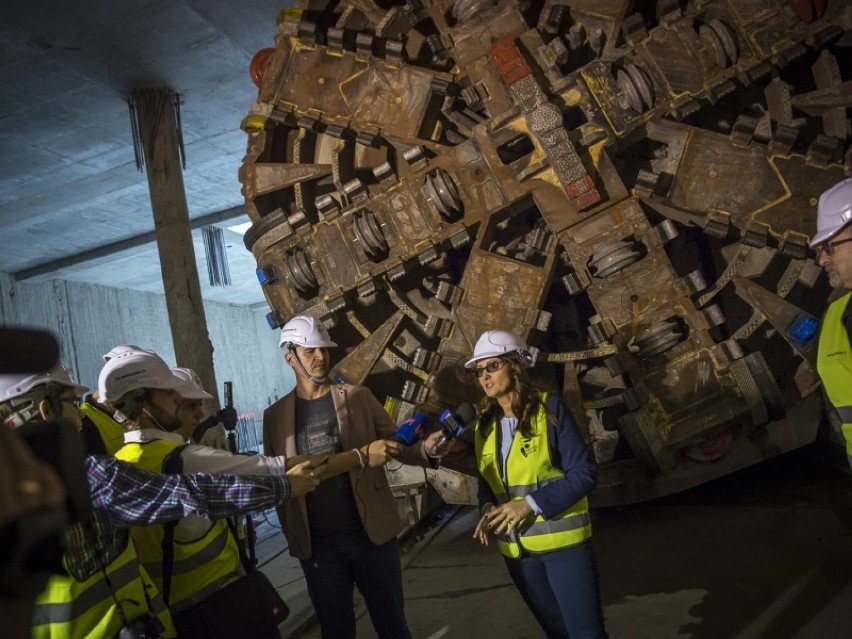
{"type": "Point", "coordinates": [158, 135]}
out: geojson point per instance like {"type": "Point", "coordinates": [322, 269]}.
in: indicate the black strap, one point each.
{"type": "Point", "coordinates": [244, 560]}
{"type": "Point", "coordinates": [172, 465]}
{"type": "Point", "coordinates": [88, 534]}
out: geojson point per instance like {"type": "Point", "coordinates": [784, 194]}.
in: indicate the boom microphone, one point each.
{"type": "Point", "coordinates": [409, 430]}
{"type": "Point", "coordinates": [27, 350]}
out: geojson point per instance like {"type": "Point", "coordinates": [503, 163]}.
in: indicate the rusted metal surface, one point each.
{"type": "Point", "coordinates": [628, 185]}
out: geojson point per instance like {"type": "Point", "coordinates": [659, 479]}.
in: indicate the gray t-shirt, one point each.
{"type": "Point", "coordinates": [331, 507]}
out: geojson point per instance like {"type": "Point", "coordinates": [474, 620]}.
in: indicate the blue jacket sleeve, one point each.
{"type": "Point", "coordinates": [569, 452]}
{"type": "Point", "coordinates": [484, 494]}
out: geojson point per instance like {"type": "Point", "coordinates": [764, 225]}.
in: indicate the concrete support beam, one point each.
{"type": "Point", "coordinates": [158, 134]}
{"type": "Point", "coordinates": [49, 269]}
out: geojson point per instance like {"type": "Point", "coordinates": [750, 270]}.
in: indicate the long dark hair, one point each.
{"type": "Point", "coordinates": [526, 401]}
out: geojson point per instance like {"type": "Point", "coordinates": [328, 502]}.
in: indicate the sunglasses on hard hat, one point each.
{"type": "Point", "coordinates": [828, 247]}
{"type": "Point", "coordinates": [490, 367]}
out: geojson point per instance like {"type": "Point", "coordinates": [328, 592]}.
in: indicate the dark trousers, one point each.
{"type": "Point", "coordinates": [561, 588]}
{"type": "Point", "coordinates": [350, 561]}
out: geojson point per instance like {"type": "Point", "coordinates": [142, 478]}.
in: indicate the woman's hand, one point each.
{"type": "Point", "coordinates": [481, 531]}
{"type": "Point", "coordinates": [504, 518]}
{"type": "Point", "coordinates": [432, 439]}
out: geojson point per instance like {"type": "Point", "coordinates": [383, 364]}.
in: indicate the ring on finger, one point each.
{"type": "Point", "coordinates": [29, 487]}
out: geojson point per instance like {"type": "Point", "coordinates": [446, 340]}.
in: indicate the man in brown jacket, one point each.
{"type": "Point", "coordinates": [344, 533]}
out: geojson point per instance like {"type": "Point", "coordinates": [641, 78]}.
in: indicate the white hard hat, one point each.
{"type": "Point", "coordinates": [191, 387]}
{"type": "Point", "coordinates": [501, 344]}
{"type": "Point", "coordinates": [12, 386]}
{"type": "Point", "coordinates": [123, 349]}
{"type": "Point", "coordinates": [304, 330]}
{"type": "Point", "coordinates": [834, 211]}
{"type": "Point", "coordinates": [136, 370]}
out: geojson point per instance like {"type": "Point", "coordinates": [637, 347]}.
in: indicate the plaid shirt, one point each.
{"type": "Point", "coordinates": [124, 496]}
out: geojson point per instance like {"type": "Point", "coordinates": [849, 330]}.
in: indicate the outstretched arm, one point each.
{"type": "Point", "coordinates": [130, 496]}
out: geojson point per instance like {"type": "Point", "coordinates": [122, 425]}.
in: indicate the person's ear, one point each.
{"type": "Point", "coordinates": [45, 410]}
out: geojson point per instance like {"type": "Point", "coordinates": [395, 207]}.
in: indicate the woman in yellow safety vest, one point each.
{"type": "Point", "coordinates": [536, 471]}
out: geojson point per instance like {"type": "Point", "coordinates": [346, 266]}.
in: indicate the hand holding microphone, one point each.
{"type": "Point", "coordinates": [379, 452]}
{"type": "Point", "coordinates": [453, 425]}
{"type": "Point", "coordinates": [411, 430]}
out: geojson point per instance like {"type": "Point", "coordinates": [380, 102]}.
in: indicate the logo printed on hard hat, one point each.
{"type": "Point", "coordinates": [306, 331]}
{"type": "Point", "coordinates": [501, 343]}
{"type": "Point", "coordinates": [129, 375]}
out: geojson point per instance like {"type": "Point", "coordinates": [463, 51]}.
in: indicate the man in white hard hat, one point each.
{"type": "Point", "coordinates": [207, 432]}
{"type": "Point", "coordinates": [344, 534]}
{"type": "Point", "coordinates": [106, 589]}
{"type": "Point", "coordinates": [833, 243]}
{"type": "Point", "coordinates": [147, 394]}
{"type": "Point", "coordinates": [102, 435]}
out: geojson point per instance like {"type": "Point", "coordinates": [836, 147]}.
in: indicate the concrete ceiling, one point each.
{"type": "Point", "coordinates": [71, 198]}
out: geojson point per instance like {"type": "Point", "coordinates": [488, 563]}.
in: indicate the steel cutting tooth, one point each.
{"type": "Point", "coordinates": [727, 40]}
{"type": "Point", "coordinates": [300, 270]}
{"type": "Point", "coordinates": [711, 41]}
{"type": "Point", "coordinates": [658, 339]}
{"type": "Point", "coordinates": [441, 190]}
{"type": "Point", "coordinates": [465, 10]}
{"type": "Point", "coordinates": [612, 257]}
{"type": "Point", "coordinates": [643, 86]}
{"type": "Point", "coordinates": [370, 233]}
{"type": "Point", "coordinates": [629, 97]}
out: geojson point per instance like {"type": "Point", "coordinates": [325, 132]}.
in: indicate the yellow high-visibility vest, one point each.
{"type": "Point", "coordinates": [200, 567]}
{"type": "Point", "coordinates": [111, 432]}
{"type": "Point", "coordinates": [834, 365]}
{"type": "Point", "coordinates": [71, 609]}
{"type": "Point", "coordinates": [528, 467]}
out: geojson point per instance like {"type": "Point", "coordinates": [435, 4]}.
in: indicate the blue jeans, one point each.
{"type": "Point", "coordinates": [333, 570]}
{"type": "Point", "coordinates": [561, 588]}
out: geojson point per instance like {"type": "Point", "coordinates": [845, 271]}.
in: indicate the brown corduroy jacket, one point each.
{"type": "Point", "coordinates": [362, 420]}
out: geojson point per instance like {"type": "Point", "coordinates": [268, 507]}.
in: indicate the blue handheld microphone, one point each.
{"type": "Point", "coordinates": [409, 431]}
{"type": "Point", "coordinates": [453, 424]}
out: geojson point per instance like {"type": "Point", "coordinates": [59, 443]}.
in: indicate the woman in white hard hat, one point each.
{"type": "Point", "coordinates": [536, 471]}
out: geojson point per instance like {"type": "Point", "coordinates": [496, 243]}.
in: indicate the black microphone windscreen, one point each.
{"type": "Point", "coordinates": [466, 413]}
{"type": "Point", "coordinates": [24, 350]}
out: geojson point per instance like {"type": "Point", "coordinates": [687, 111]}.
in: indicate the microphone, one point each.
{"type": "Point", "coordinates": [454, 423]}
{"type": "Point", "coordinates": [409, 431]}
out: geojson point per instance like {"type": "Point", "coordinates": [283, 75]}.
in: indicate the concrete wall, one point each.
{"type": "Point", "coordinates": [89, 320]}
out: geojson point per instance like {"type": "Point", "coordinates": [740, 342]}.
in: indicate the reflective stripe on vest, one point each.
{"type": "Point", "coordinates": [834, 364]}
{"type": "Point", "coordinates": [71, 609]}
{"type": "Point", "coordinates": [526, 473]}
{"type": "Point", "coordinates": [200, 567]}
{"type": "Point", "coordinates": [111, 432]}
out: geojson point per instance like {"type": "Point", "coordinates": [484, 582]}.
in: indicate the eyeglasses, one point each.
{"type": "Point", "coordinates": [491, 367]}
{"type": "Point", "coordinates": [828, 247]}
{"type": "Point", "coordinates": [75, 401]}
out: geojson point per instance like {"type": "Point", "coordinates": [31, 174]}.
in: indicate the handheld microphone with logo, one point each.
{"type": "Point", "coordinates": [409, 431]}
{"type": "Point", "coordinates": [453, 424]}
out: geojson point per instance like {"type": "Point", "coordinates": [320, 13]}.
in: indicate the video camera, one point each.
{"type": "Point", "coordinates": [35, 539]}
